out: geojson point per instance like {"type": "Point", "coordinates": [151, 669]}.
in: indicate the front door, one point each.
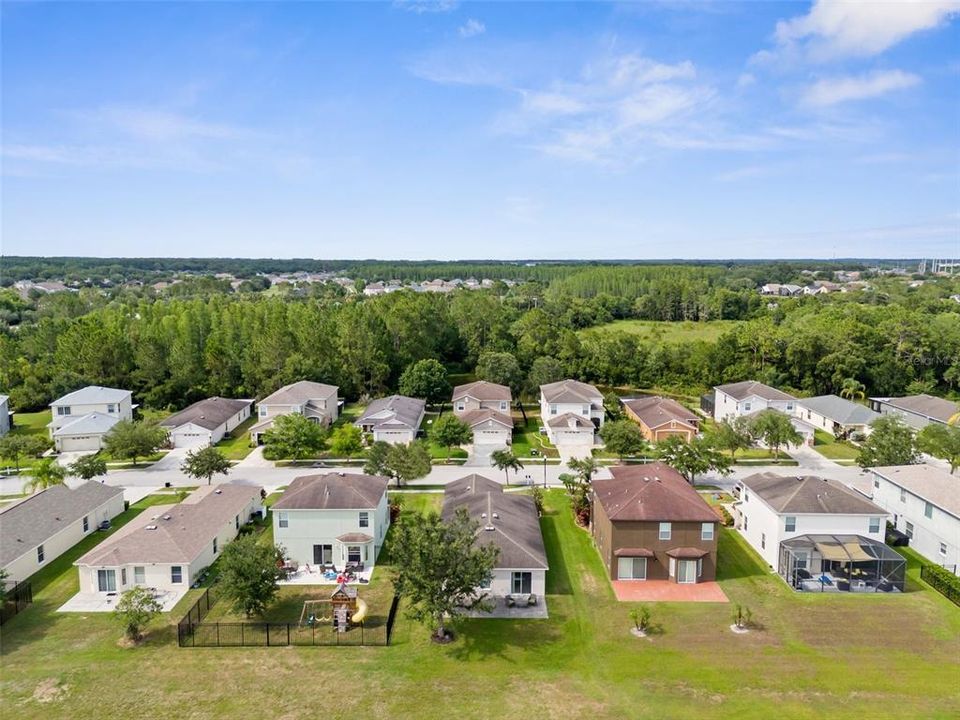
{"type": "Point", "coordinates": [107, 580]}
{"type": "Point", "coordinates": [323, 554]}
{"type": "Point", "coordinates": [687, 571]}
{"type": "Point", "coordinates": [522, 583]}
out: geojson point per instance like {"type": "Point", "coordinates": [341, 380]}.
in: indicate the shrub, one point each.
{"type": "Point", "coordinates": [943, 581]}
{"type": "Point", "coordinates": [725, 516]}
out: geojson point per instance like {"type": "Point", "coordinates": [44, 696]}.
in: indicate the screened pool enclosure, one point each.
{"type": "Point", "coordinates": [841, 563]}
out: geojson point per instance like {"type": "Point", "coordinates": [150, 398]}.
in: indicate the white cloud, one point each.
{"type": "Point", "coordinates": [745, 80]}
{"type": "Point", "coordinates": [426, 6]}
{"type": "Point", "coordinates": [744, 173]}
{"type": "Point", "coordinates": [831, 91]}
{"type": "Point", "coordinates": [157, 125]}
{"type": "Point", "coordinates": [471, 28]}
{"type": "Point", "coordinates": [838, 28]}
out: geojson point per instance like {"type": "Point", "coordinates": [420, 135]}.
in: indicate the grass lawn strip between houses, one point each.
{"type": "Point", "coordinates": [817, 656]}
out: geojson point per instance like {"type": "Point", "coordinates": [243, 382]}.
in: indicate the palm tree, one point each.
{"type": "Point", "coordinates": [46, 473]}
{"type": "Point", "coordinates": [505, 460]}
{"type": "Point", "coordinates": [852, 388]}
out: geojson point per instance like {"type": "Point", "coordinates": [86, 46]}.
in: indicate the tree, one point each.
{"type": "Point", "coordinates": [3, 587]}
{"type": "Point", "coordinates": [377, 459]}
{"type": "Point", "coordinates": [407, 462]}
{"type": "Point", "coordinates": [775, 430]}
{"type": "Point", "coordinates": [732, 435]}
{"type": "Point", "coordinates": [852, 388]}
{"type": "Point", "coordinates": [294, 437]}
{"type": "Point", "coordinates": [891, 442]}
{"type": "Point", "coordinates": [426, 379]}
{"type": "Point", "coordinates": [501, 368]}
{"type": "Point", "coordinates": [941, 441]}
{"type": "Point", "coordinates": [450, 431]}
{"type": "Point", "coordinates": [135, 609]}
{"type": "Point", "coordinates": [693, 458]}
{"type": "Point", "coordinates": [584, 468]}
{"type": "Point", "coordinates": [440, 565]}
{"type": "Point", "coordinates": [88, 467]}
{"type": "Point", "coordinates": [133, 440]}
{"type": "Point", "coordinates": [623, 437]}
{"type": "Point", "coordinates": [346, 440]}
{"type": "Point", "coordinates": [505, 460]}
{"type": "Point", "coordinates": [204, 463]}
{"type": "Point", "coordinates": [249, 576]}
{"type": "Point", "coordinates": [13, 447]}
{"type": "Point", "coordinates": [613, 406]}
{"type": "Point", "coordinates": [45, 473]}
{"type": "Point", "coordinates": [543, 371]}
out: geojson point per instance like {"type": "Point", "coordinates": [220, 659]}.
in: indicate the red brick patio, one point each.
{"type": "Point", "coordinates": [666, 591]}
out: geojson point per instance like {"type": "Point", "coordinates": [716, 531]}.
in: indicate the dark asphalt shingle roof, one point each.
{"type": "Point", "coordinates": [209, 413]}
{"type": "Point", "coordinates": [806, 494]}
{"type": "Point", "coordinates": [743, 390]}
{"type": "Point", "coordinates": [393, 411]}
{"type": "Point", "coordinates": [839, 409]}
{"type": "Point", "coordinates": [925, 405]}
{"type": "Point", "coordinates": [653, 492]}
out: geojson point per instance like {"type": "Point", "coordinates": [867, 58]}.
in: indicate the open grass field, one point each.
{"type": "Point", "coordinates": [815, 657]}
{"type": "Point", "coordinates": [668, 332]}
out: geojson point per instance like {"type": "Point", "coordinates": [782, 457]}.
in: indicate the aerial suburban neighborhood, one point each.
{"type": "Point", "coordinates": [448, 360]}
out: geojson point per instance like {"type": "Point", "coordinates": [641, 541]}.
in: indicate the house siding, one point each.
{"type": "Point", "coordinates": [124, 411]}
{"type": "Point", "coordinates": [726, 406]}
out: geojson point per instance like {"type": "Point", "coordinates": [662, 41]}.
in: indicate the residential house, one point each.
{"type": "Point", "coordinates": [315, 401]}
{"type": "Point", "coordinates": [168, 546]}
{"type": "Point", "coordinates": [836, 415]}
{"type": "Point", "coordinates": [5, 415]}
{"type": "Point", "coordinates": [787, 290]}
{"type": "Point", "coordinates": [660, 418]}
{"type": "Point", "coordinates": [650, 524]}
{"type": "Point", "coordinates": [806, 430]}
{"type": "Point", "coordinates": [820, 287]}
{"type": "Point", "coordinates": [80, 420]}
{"type": "Point", "coordinates": [511, 523]}
{"type": "Point", "coordinates": [395, 419]}
{"type": "Point", "coordinates": [206, 421]}
{"type": "Point", "coordinates": [817, 533]}
{"type": "Point", "coordinates": [742, 398]}
{"type": "Point", "coordinates": [571, 411]}
{"type": "Point", "coordinates": [485, 407]}
{"type": "Point", "coordinates": [918, 411]}
{"type": "Point", "coordinates": [925, 504]}
{"type": "Point", "coordinates": [40, 528]}
{"type": "Point", "coordinates": [333, 519]}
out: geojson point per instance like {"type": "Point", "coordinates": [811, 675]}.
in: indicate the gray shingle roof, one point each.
{"type": "Point", "coordinates": [925, 405]}
{"type": "Point", "coordinates": [926, 481]}
{"type": "Point", "coordinates": [809, 494]}
{"type": "Point", "coordinates": [393, 410]}
{"type": "Point", "coordinates": [209, 413]}
{"type": "Point", "coordinates": [299, 393]}
{"type": "Point", "coordinates": [174, 533]}
{"type": "Point", "coordinates": [478, 417]}
{"type": "Point", "coordinates": [839, 410]}
{"type": "Point", "coordinates": [743, 390]}
{"type": "Point", "coordinates": [565, 420]}
{"type": "Point", "coordinates": [483, 391]}
{"type": "Point", "coordinates": [92, 395]}
{"type": "Point", "coordinates": [333, 491]}
{"type": "Point", "coordinates": [34, 520]}
{"type": "Point", "coordinates": [94, 423]}
{"type": "Point", "coordinates": [570, 391]}
{"type": "Point", "coordinates": [513, 519]}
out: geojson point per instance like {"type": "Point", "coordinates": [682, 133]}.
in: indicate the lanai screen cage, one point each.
{"type": "Point", "coordinates": [841, 563]}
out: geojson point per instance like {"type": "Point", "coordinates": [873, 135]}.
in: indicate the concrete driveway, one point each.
{"type": "Point", "coordinates": [480, 455]}
{"type": "Point", "coordinates": [574, 450]}
{"type": "Point", "coordinates": [66, 458]}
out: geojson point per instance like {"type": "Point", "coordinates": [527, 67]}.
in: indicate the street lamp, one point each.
{"type": "Point", "coordinates": [544, 471]}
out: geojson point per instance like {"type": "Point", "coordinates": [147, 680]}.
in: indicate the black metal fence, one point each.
{"type": "Point", "coordinates": [192, 631]}
{"type": "Point", "coordinates": [16, 598]}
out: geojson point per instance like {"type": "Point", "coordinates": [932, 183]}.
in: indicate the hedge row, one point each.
{"type": "Point", "coordinates": [943, 581]}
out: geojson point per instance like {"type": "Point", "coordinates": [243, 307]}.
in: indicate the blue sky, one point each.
{"type": "Point", "coordinates": [452, 130]}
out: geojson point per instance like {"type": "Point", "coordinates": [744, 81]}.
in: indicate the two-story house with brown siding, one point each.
{"type": "Point", "coordinates": [650, 524]}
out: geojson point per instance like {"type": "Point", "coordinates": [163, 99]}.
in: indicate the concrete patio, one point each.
{"type": "Point", "coordinates": [106, 602]}
{"type": "Point", "coordinates": [504, 612]}
{"type": "Point", "coordinates": [666, 591]}
{"type": "Point", "coordinates": [315, 576]}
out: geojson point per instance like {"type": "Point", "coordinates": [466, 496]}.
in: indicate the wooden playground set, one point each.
{"type": "Point", "coordinates": [345, 609]}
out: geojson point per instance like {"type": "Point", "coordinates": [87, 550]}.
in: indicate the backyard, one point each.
{"type": "Point", "coordinates": [812, 657]}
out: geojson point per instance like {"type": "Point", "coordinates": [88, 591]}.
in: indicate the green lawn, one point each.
{"type": "Point", "coordinates": [238, 445]}
{"type": "Point", "coordinates": [34, 423]}
{"type": "Point", "coordinates": [815, 657]}
{"type": "Point", "coordinates": [668, 332]}
{"type": "Point", "coordinates": [527, 437]}
{"type": "Point", "coordinates": [828, 446]}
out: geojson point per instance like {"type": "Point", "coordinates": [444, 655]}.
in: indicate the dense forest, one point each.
{"type": "Point", "coordinates": [173, 350]}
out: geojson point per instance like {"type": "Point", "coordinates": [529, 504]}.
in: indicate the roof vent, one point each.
{"type": "Point", "coordinates": [489, 528]}
{"type": "Point", "coordinates": [340, 473]}
{"type": "Point", "coordinates": [166, 517]}
{"type": "Point", "coordinates": [150, 527]}
{"type": "Point", "coordinates": [218, 491]}
{"type": "Point", "coordinates": [496, 516]}
{"type": "Point", "coordinates": [483, 515]}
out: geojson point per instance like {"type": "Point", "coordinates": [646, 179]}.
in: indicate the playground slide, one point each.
{"type": "Point", "coordinates": [361, 612]}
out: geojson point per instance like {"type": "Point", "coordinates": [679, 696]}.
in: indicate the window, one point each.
{"type": "Point", "coordinates": [706, 531]}
{"type": "Point", "coordinates": [86, 523]}
{"type": "Point", "coordinates": [262, 412]}
{"type": "Point", "coordinates": [323, 554]}
{"type": "Point", "coordinates": [800, 560]}
{"type": "Point", "coordinates": [746, 407]}
{"type": "Point", "coordinates": [63, 410]}
{"type": "Point", "coordinates": [876, 482]}
{"type": "Point", "coordinates": [586, 410]}
{"type": "Point", "coordinates": [106, 580]}
{"type": "Point", "coordinates": [553, 409]}
{"type": "Point", "coordinates": [665, 531]}
{"type": "Point", "coordinates": [283, 520]}
{"type": "Point", "coordinates": [673, 567]}
{"type": "Point", "coordinates": [790, 524]}
{"type": "Point", "coordinates": [943, 548]}
{"type": "Point", "coordinates": [874, 524]}
{"type": "Point", "coordinates": [215, 546]}
{"type": "Point", "coordinates": [123, 576]}
{"type": "Point", "coordinates": [746, 495]}
{"type": "Point", "coordinates": [928, 510]}
{"type": "Point", "coordinates": [111, 408]}
{"type": "Point", "coordinates": [789, 406]}
{"type": "Point", "coordinates": [699, 567]}
{"type": "Point", "coordinates": [139, 576]}
{"type": "Point", "coordinates": [364, 519]}
{"type": "Point", "coordinates": [236, 522]}
{"type": "Point", "coordinates": [631, 568]}
{"type": "Point", "coordinates": [909, 530]}
{"type": "Point", "coordinates": [503, 405]}
{"type": "Point", "coordinates": [763, 540]}
{"type": "Point", "coordinates": [487, 582]}
{"type": "Point", "coordinates": [176, 574]}
{"type": "Point", "coordinates": [903, 495]}
{"type": "Point", "coordinates": [40, 554]}
{"type": "Point", "coordinates": [460, 406]}
{"type": "Point", "coordinates": [353, 554]}
{"type": "Point", "coordinates": [745, 520]}
{"type": "Point", "coordinates": [522, 583]}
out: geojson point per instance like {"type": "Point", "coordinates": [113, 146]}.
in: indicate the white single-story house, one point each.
{"type": "Point", "coordinates": [917, 411]}
{"type": "Point", "coordinates": [206, 421]}
{"type": "Point", "coordinates": [830, 531]}
{"type": "Point", "coordinates": [40, 528]}
{"type": "Point", "coordinates": [835, 415]}
{"type": "Point", "coordinates": [85, 433]}
{"type": "Point", "coordinates": [80, 420]}
{"type": "Point", "coordinates": [167, 546]}
{"type": "Point", "coordinates": [742, 398]}
{"type": "Point", "coordinates": [315, 401]}
{"type": "Point", "coordinates": [4, 415]}
{"type": "Point", "coordinates": [511, 523]}
{"type": "Point", "coordinates": [925, 504]}
{"type": "Point", "coordinates": [335, 519]}
{"type": "Point", "coordinates": [395, 419]}
{"type": "Point", "coordinates": [560, 400]}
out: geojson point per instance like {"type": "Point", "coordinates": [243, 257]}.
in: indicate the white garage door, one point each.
{"type": "Point", "coordinates": [394, 436]}
{"type": "Point", "coordinates": [190, 440]}
{"type": "Point", "coordinates": [79, 442]}
{"type": "Point", "coordinates": [490, 437]}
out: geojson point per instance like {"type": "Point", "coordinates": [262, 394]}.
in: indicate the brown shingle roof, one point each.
{"type": "Point", "coordinates": [209, 413]}
{"type": "Point", "coordinates": [743, 390]}
{"type": "Point", "coordinates": [562, 421]}
{"type": "Point", "coordinates": [483, 391]}
{"type": "Point", "coordinates": [809, 494]}
{"type": "Point", "coordinates": [650, 492]}
{"type": "Point", "coordinates": [476, 417]}
{"type": "Point", "coordinates": [657, 411]}
{"type": "Point", "coordinates": [570, 391]}
{"type": "Point", "coordinates": [333, 491]}
{"type": "Point", "coordinates": [300, 392]}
